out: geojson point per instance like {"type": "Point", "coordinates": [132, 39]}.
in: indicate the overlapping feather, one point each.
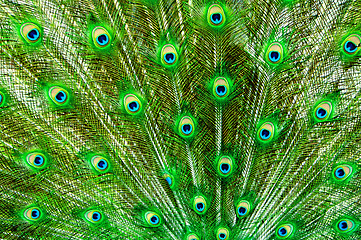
{"type": "Point", "coordinates": [289, 178]}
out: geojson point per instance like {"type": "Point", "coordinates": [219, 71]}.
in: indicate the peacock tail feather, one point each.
{"type": "Point", "coordinates": [174, 119]}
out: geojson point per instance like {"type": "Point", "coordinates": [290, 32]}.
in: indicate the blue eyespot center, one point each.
{"type": "Point", "coordinates": [282, 231]}
{"type": "Point", "coordinates": [102, 39]}
{"type": "Point", "coordinates": [96, 216]}
{"type": "Point", "coordinates": [60, 96]}
{"type": "Point", "coordinates": [242, 211]}
{"type": "Point", "coordinates": [225, 168]}
{"type": "Point", "coordinates": [350, 47]}
{"type": "Point", "coordinates": [35, 213]}
{"type": "Point", "coordinates": [343, 225]}
{"type": "Point", "coordinates": [274, 56]}
{"type": "Point", "coordinates": [321, 112]}
{"type": "Point", "coordinates": [340, 173]}
{"type": "Point", "coordinates": [187, 128]}
{"type": "Point", "coordinates": [102, 164]}
{"type": "Point", "coordinates": [169, 58]}
{"type": "Point", "coordinates": [38, 160]}
{"type": "Point", "coordinates": [222, 236]}
{"type": "Point", "coordinates": [154, 219]}
{"type": "Point", "coordinates": [200, 206]}
{"type": "Point", "coordinates": [216, 18]}
{"type": "Point", "coordinates": [33, 34]}
{"type": "Point", "coordinates": [265, 134]}
{"type": "Point", "coordinates": [221, 90]}
{"type": "Point", "coordinates": [133, 106]}
{"type": "Point", "coordinates": [169, 180]}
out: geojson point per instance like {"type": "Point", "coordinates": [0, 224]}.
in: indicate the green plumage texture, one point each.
{"type": "Point", "coordinates": [174, 119]}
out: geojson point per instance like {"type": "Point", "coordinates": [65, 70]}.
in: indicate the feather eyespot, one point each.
{"type": "Point", "coordinates": [132, 104]}
{"type": "Point", "coordinates": [101, 37]}
{"type": "Point", "coordinates": [186, 126]}
{"type": "Point", "coordinates": [266, 132]}
{"type": "Point", "coordinates": [225, 166]}
{"type": "Point", "coordinates": [222, 234]}
{"type": "Point", "coordinates": [274, 54]}
{"type": "Point", "coordinates": [30, 32]}
{"type": "Point", "coordinates": [323, 111]}
{"type": "Point", "coordinates": [200, 205]}
{"type": "Point", "coordinates": [33, 214]}
{"type": "Point", "coordinates": [192, 236]}
{"type": "Point", "coordinates": [352, 44]}
{"type": "Point", "coordinates": [169, 179]}
{"type": "Point", "coordinates": [169, 55]}
{"type": "Point", "coordinates": [284, 231]}
{"type": "Point", "coordinates": [342, 172]}
{"type": "Point", "coordinates": [58, 95]}
{"type": "Point", "coordinates": [94, 216]}
{"type": "Point", "coordinates": [345, 225]}
{"type": "Point", "coordinates": [2, 99]}
{"type": "Point", "coordinates": [36, 160]}
{"type": "Point", "coordinates": [215, 15]}
{"type": "Point", "coordinates": [153, 219]}
{"type": "Point", "coordinates": [221, 87]}
{"type": "Point", "coordinates": [100, 164]}
{"type": "Point", "coordinates": [243, 208]}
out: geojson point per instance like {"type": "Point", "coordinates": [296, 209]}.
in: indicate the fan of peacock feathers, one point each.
{"type": "Point", "coordinates": [174, 119]}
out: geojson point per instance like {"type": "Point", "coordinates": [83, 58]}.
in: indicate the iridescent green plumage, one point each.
{"type": "Point", "coordinates": [180, 119]}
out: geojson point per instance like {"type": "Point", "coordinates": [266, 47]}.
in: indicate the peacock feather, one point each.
{"type": "Point", "coordinates": [180, 119]}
